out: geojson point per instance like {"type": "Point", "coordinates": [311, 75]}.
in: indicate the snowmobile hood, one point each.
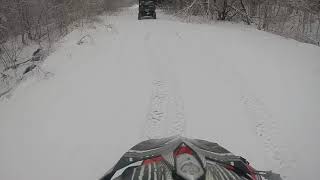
{"type": "Point", "coordinates": [189, 158]}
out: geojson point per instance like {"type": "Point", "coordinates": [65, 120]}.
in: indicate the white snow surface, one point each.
{"type": "Point", "coordinates": [255, 93]}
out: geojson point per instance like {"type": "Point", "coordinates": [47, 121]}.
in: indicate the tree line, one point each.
{"type": "Point", "coordinates": [43, 20]}
{"type": "Point", "coordinates": [47, 20]}
{"type": "Point", "coordinates": [36, 19]}
{"type": "Point", "coordinates": [298, 19]}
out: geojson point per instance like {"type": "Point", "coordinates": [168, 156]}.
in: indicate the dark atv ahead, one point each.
{"type": "Point", "coordinates": [147, 8]}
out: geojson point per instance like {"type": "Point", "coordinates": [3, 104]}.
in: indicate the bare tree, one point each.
{"type": "Point", "coordinates": [44, 20]}
{"type": "Point", "coordinates": [298, 19]}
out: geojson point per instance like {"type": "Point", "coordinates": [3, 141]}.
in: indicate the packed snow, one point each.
{"type": "Point", "coordinates": [255, 93]}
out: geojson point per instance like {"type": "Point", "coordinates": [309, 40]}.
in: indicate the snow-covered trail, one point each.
{"type": "Point", "coordinates": [254, 93]}
{"type": "Point", "coordinates": [166, 115]}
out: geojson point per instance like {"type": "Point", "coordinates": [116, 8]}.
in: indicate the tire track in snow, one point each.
{"type": "Point", "coordinates": [178, 123]}
{"type": "Point", "coordinates": [265, 125]}
{"type": "Point", "coordinates": [158, 112]}
{"type": "Point", "coordinates": [166, 112]}
{"type": "Point", "coordinates": [266, 129]}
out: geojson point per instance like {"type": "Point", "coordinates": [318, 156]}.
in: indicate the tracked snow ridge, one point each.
{"type": "Point", "coordinates": [178, 123]}
{"type": "Point", "coordinates": [166, 116]}
{"type": "Point", "coordinates": [265, 125]}
{"type": "Point", "coordinates": [266, 129]}
{"type": "Point", "coordinates": [158, 111]}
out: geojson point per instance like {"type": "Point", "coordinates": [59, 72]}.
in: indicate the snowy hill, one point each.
{"type": "Point", "coordinates": [252, 92]}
